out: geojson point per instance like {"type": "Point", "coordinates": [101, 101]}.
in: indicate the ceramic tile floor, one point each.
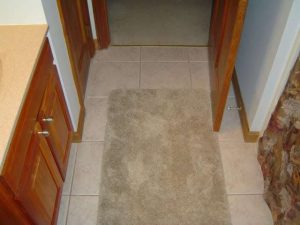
{"type": "Point", "coordinates": [157, 67]}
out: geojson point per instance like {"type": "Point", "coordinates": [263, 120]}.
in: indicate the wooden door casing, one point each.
{"type": "Point", "coordinates": [101, 23]}
{"type": "Point", "coordinates": [41, 183]}
{"type": "Point", "coordinates": [225, 32]}
{"type": "Point", "coordinates": [86, 23]}
{"type": "Point", "coordinates": [77, 41]}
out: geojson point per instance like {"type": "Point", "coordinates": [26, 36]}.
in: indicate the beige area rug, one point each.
{"type": "Point", "coordinates": [161, 161]}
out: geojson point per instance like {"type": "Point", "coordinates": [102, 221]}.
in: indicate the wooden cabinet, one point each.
{"type": "Point", "coordinates": [41, 181]}
{"type": "Point", "coordinates": [54, 119]}
{"type": "Point", "coordinates": [32, 177]}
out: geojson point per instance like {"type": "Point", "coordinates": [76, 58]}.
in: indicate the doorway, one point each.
{"type": "Point", "coordinates": [159, 22]}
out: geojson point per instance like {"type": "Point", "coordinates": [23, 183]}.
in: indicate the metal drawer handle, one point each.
{"type": "Point", "coordinates": [48, 119]}
{"type": "Point", "coordinates": [45, 133]}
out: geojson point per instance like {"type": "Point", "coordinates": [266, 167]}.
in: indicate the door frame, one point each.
{"type": "Point", "coordinates": [76, 136]}
{"type": "Point", "coordinates": [101, 23]}
{"type": "Point", "coordinates": [230, 31]}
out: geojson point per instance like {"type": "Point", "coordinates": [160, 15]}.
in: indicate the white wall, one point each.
{"type": "Point", "coordinates": [90, 5]}
{"type": "Point", "coordinates": [61, 58]}
{"type": "Point", "coordinates": [32, 12]}
{"type": "Point", "coordinates": [21, 12]}
{"type": "Point", "coordinates": [285, 58]}
{"type": "Point", "coordinates": [263, 56]}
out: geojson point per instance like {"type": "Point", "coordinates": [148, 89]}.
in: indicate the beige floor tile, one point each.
{"type": "Point", "coordinates": [231, 129]}
{"type": "Point", "coordinates": [198, 54]}
{"type": "Point", "coordinates": [70, 170]}
{"type": "Point", "coordinates": [241, 169]}
{"type": "Point", "coordinates": [164, 54]}
{"type": "Point", "coordinates": [63, 210]}
{"type": "Point", "coordinates": [83, 210]}
{"type": "Point", "coordinates": [200, 75]}
{"type": "Point", "coordinates": [165, 75]}
{"type": "Point", "coordinates": [249, 210]}
{"type": "Point", "coordinates": [87, 171]}
{"type": "Point", "coordinates": [106, 76]}
{"type": "Point", "coordinates": [112, 54]}
{"type": "Point", "coordinates": [95, 119]}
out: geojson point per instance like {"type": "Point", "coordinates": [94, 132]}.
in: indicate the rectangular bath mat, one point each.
{"type": "Point", "coordinates": [161, 161]}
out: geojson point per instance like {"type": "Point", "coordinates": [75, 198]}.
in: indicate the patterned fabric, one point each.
{"type": "Point", "coordinates": [279, 155]}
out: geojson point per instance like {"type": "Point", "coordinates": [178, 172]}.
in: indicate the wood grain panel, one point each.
{"type": "Point", "coordinates": [77, 42]}
{"type": "Point", "coordinates": [60, 129]}
{"type": "Point", "coordinates": [101, 23]}
{"type": "Point", "coordinates": [225, 32]}
{"type": "Point", "coordinates": [41, 184]}
{"type": "Point", "coordinates": [10, 211]}
{"type": "Point", "coordinates": [15, 158]}
{"type": "Point", "coordinates": [86, 23]}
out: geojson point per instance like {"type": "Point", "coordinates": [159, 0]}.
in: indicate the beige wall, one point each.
{"type": "Point", "coordinates": [21, 12]}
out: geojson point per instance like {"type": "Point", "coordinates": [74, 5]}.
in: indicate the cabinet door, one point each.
{"type": "Point", "coordinates": [41, 182]}
{"type": "Point", "coordinates": [15, 159]}
{"type": "Point", "coordinates": [54, 119]}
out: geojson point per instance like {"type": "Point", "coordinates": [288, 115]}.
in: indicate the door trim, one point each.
{"type": "Point", "coordinates": [249, 136]}
{"type": "Point", "coordinates": [77, 135]}
{"type": "Point", "coordinates": [101, 23]}
{"type": "Point", "coordinates": [230, 36]}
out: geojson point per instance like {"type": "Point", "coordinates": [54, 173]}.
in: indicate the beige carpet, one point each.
{"type": "Point", "coordinates": [161, 162]}
{"type": "Point", "coordinates": [159, 22]}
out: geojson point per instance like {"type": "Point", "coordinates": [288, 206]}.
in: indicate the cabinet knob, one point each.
{"type": "Point", "coordinates": [45, 133]}
{"type": "Point", "coordinates": [48, 119]}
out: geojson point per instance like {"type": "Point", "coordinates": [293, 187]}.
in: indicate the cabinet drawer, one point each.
{"type": "Point", "coordinates": [54, 119]}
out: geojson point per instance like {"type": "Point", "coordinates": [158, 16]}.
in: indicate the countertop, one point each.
{"type": "Point", "coordinates": [20, 47]}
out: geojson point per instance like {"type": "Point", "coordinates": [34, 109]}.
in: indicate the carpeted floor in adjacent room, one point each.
{"type": "Point", "coordinates": [159, 22]}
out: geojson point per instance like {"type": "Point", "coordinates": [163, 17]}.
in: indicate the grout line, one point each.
{"type": "Point", "coordinates": [200, 61]}
{"type": "Point", "coordinates": [72, 181]}
{"type": "Point", "coordinates": [86, 195]}
{"type": "Point", "coordinates": [245, 194]}
{"type": "Point", "coordinates": [67, 212]}
{"type": "Point", "coordinates": [118, 61]}
{"type": "Point", "coordinates": [89, 141]}
{"type": "Point", "coordinates": [71, 184]}
{"type": "Point", "coordinates": [189, 65]}
{"type": "Point", "coordinates": [166, 61]}
{"type": "Point", "coordinates": [96, 97]}
{"type": "Point", "coordinates": [175, 46]}
{"type": "Point", "coordinates": [140, 74]}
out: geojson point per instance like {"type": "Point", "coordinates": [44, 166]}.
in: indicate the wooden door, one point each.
{"type": "Point", "coordinates": [101, 22]}
{"type": "Point", "coordinates": [54, 118]}
{"type": "Point", "coordinates": [78, 39]}
{"type": "Point", "coordinates": [86, 23]}
{"type": "Point", "coordinates": [225, 31]}
{"type": "Point", "coordinates": [41, 185]}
